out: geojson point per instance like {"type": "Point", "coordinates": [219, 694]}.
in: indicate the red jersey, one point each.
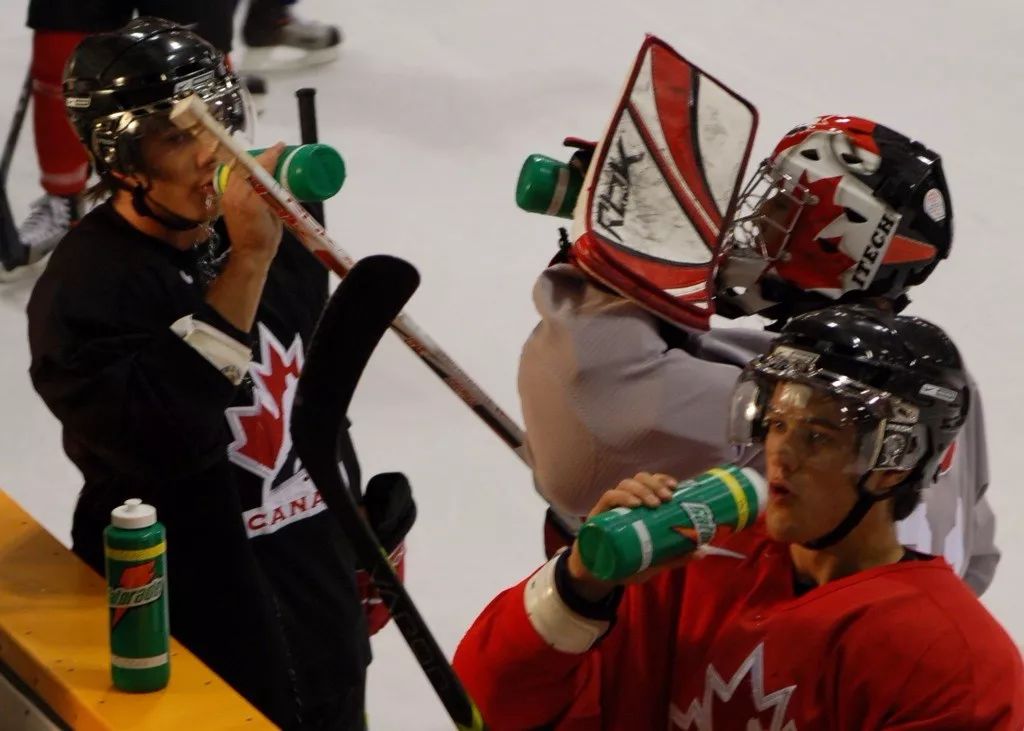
{"type": "Point", "coordinates": [728, 643]}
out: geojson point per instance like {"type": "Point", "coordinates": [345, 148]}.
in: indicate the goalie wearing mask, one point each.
{"type": "Point", "coordinates": [167, 335]}
{"type": "Point", "coordinates": [623, 373]}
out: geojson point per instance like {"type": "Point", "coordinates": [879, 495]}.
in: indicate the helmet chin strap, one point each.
{"type": "Point", "coordinates": [865, 501]}
{"type": "Point", "coordinates": [166, 217]}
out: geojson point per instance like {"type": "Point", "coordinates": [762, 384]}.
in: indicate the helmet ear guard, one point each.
{"type": "Point", "coordinates": [115, 146]}
{"type": "Point", "coordinates": [127, 155]}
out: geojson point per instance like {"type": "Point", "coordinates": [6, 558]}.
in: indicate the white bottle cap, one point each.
{"type": "Point", "coordinates": [757, 481]}
{"type": "Point", "coordinates": [133, 514]}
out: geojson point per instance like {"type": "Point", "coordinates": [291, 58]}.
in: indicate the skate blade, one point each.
{"type": "Point", "coordinates": [284, 58]}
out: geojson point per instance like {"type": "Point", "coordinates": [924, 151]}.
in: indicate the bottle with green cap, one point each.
{"type": "Point", "coordinates": [313, 172]}
{"type": "Point", "coordinates": [549, 186]}
{"type": "Point", "coordinates": [135, 548]}
{"type": "Point", "coordinates": [624, 541]}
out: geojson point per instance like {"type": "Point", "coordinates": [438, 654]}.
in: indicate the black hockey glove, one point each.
{"type": "Point", "coordinates": [390, 509]}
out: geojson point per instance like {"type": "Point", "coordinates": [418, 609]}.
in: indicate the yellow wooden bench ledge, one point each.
{"type": "Point", "coordinates": [53, 635]}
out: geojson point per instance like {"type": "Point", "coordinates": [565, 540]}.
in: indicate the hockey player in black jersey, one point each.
{"type": "Point", "coordinates": [169, 349]}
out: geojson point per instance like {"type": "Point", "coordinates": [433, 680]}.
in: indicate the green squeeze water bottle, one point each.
{"type": "Point", "coordinates": [137, 588]}
{"type": "Point", "coordinates": [549, 186]}
{"type": "Point", "coordinates": [310, 173]}
{"type": "Point", "coordinates": [625, 541]}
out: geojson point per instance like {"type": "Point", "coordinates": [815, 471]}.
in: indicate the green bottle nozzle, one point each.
{"type": "Point", "coordinates": [548, 186]}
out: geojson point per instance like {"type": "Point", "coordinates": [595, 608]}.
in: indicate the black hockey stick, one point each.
{"type": "Point", "coordinates": [13, 253]}
{"type": "Point", "coordinates": [356, 317]}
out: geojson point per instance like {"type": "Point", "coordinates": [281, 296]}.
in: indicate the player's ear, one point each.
{"type": "Point", "coordinates": [131, 181]}
{"type": "Point", "coordinates": [884, 481]}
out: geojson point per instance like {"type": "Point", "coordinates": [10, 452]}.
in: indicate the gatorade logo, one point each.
{"type": "Point", "coordinates": [703, 522]}
{"type": "Point", "coordinates": [136, 587]}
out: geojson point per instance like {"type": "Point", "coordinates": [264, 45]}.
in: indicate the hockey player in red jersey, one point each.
{"type": "Point", "coordinates": [815, 618]}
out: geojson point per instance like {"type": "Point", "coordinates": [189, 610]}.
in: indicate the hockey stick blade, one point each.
{"type": "Point", "coordinates": [356, 317]}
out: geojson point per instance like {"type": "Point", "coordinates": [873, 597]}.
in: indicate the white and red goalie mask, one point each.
{"type": "Point", "coordinates": [663, 180]}
{"type": "Point", "coordinates": [843, 205]}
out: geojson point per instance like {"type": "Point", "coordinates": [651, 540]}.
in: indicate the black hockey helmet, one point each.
{"type": "Point", "coordinates": [114, 81]}
{"type": "Point", "coordinates": [842, 209]}
{"type": "Point", "coordinates": [899, 379]}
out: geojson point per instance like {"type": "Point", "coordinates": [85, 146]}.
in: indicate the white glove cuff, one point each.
{"type": "Point", "coordinates": [559, 626]}
{"type": "Point", "coordinates": [226, 354]}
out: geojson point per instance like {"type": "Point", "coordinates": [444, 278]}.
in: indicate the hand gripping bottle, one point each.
{"type": "Point", "coordinates": [624, 541]}
{"type": "Point", "coordinates": [310, 173]}
{"type": "Point", "coordinates": [137, 589]}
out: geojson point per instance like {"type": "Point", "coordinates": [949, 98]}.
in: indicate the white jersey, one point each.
{"type": "Point", "coordinates": [604, 397]}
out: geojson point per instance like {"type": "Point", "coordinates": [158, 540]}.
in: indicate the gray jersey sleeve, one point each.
{"type": "Point", "coordinates": [954, 518]}
{"type": "Point", "coordinates": [604, 397]}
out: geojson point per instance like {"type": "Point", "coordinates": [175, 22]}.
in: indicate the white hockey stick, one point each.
{"type": "Point", "coordinates": [191, 113]}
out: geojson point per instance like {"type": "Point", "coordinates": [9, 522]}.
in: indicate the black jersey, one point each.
{"type": "Point", "coordinates": [261, 579]}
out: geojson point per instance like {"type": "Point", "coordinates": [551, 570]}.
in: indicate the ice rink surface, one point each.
{"type": "Point", "coordinates": [434, 106]}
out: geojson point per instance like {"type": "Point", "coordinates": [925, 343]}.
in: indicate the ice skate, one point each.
{"type": "Point", "coordinates": [278, 40]}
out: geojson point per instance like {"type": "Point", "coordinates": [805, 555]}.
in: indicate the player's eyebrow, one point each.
{"type": "Point", "coordinates": [821, 421]}
{"type": "Point", "coordinates": [815, 420]}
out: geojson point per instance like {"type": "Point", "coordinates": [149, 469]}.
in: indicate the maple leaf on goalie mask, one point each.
{"type": "Point", "coordinates": [814, 262]}
{"type": "Point", "coordinates": [275, 380]}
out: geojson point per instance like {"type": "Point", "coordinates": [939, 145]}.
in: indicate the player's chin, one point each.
{"type": "Point", "coordinates": [208, 201]}
{"type": "Point", "coordinates": [210, 211]}
{"type": "Point", "coordinates": [783, 524]}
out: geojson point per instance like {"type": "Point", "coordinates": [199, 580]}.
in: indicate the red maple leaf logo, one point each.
{"type": "Point", "coordinates": [813, 262]}
{"type": "Point", "coordinates": [261, 430]}
{"type": "Point", "coordinates": [133, 577]}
